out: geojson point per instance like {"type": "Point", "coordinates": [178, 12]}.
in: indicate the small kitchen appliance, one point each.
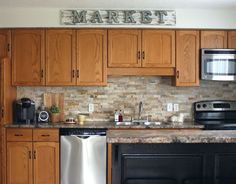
{"type": "Point", "coordinates": [216, 114]}
{"type": "Point", "coordinates": [42, 115]}
{"type": "Point", "coordinates": [24, 111]}
{"type": "Point", "coordinates": [218, 64]}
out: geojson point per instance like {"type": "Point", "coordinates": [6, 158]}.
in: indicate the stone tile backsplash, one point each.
{"type": "Point", "coordinates": [125, 93]}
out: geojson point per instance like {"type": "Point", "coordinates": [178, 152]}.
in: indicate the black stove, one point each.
{"type": "Point", "coordinates": [216, 114]}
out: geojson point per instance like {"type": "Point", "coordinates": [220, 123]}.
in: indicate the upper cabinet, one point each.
{"type": "Point", "coordinates": [158, 48]}
{"type": "Point", "coordinates": [232, 39]}
{"type": "Point", "coordinates": [60, 57]}
{"type": "Point", "coordinates": [72, 57]}
{"type": "Point", "coordinates": [91, 57]}
{"type": "Point", "coordinates": [187, 58]}
{"type": "Point", "coordinates": [124, 48]}
{"type": "Point", "coordinates": [141, 48]}
{"type": "Point", "coordinates": [5, 38]}
{"type": "Point", "coordinates": [213, 39]}
{"type": "Point", "coordinates": [28, 57]}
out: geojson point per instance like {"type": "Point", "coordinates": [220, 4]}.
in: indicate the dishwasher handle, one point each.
{"type": "Point", "coordinates": [85, 136]}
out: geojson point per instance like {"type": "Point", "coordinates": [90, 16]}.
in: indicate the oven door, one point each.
{"type": "Point", "coordinates": [218, 64]}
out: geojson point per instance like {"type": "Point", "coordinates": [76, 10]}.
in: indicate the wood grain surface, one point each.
{"type": "Point", "coordinates": [57, 99]}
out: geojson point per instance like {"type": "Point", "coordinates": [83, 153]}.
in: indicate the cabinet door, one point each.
{"type": "Point", "coordinates": [60, 57]}
{"type": "Point", "coordinates": [91, 57]}
{"type": "Point", "coordinates": [124, 48]}
{"type": "Point", "coordinates": [7, 91]}
{"type": "Point", "coordinates": [232, 39]}
{"type": "Point", "coordinates": [28, 56]}
{"type": "Point", "coordinates": [187, 58]}
{"type": "Point", "coordinates": [19, 163]}
{"type": "Point", "coordinates": [214, 39]}
{"type": "Point", "coordinates": [4, 43]}
{"type": "Point", "coordinates": [46, 162]}
{"type": "Point", "coordinates": [158, 48]}
{"type": "Point", "coordinates": [7, 96]}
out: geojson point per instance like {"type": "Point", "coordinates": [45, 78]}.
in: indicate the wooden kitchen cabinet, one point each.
{"type": "Point", "coordinates": [19, 163]}
{"type": "Point", "coordinates": [213, 39]}
{"type": "Point", "coordinates": [7, 96]}
{"type": "Point", "coordinates": [31, 159]}
{"type": "Point", "coordinates": [45, 153]}
{"type": "Point", "coordinates": [158, 48]}
{"type": "Point", "coordinates": [60, 57]}
{"type": "Point", "coordinates": [5, 39]}
{"type": "Point", "coordinates": [124, 48]}
{"type": "Point", "coordinates": [232, 39]}
{"type": "Point", "coordinates": [187, 58]}
{"type": "Point", "coordinates": [91, 57]}
{"type": "Point", "coordinates": [28, 57]}
{"type": "Point", "coordinates": [141, 48]}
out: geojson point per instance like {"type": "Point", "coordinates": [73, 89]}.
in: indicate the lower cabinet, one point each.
{"type": "Point", "coordinates": [19, 163]}
{"type": "Point", "coordinates": [30, 161]}
{"type": "Point", "coordinates": [173, 163]}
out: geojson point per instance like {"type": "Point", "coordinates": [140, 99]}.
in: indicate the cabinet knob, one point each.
{"type": "Point", "coordinates": [73, 73]}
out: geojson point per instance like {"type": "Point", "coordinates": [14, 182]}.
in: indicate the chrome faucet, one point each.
{"type": "Point", "coordinates": [140, 110]}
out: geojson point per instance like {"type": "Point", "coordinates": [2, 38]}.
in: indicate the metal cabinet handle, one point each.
{"type": "Point", "coordinates": [2, 111]}
{"type": "Point", "coordinates": [30, 155]}
{"type": "Point", "coordinates": [116, 153]}
{"type": "Point", "coordinates": [139, 55]}
{"type": "Point", "coordinates": [77, 73]}
{"type": "Point", "coordinates": [18, 135]}
{"type": "Point", "coordinates": [34, 154]}
{"type": "Point", "coordinates": [73, 73]}
{"type": "Point", "coordinates": [143, 55]}
{"type": "Point", "coordinates": [45, 135]}
{"type": "Point", "coordinates": [41, 73]}
{"type": "Point", "coordinates": [177, 74]}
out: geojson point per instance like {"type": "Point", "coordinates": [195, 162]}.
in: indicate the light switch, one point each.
{"type": "Point", "coordinates": [91, 107]}
{"type": "Point", "coordinates": [176, 107]}
{"type": "Point", "coordinates": [169, 107]}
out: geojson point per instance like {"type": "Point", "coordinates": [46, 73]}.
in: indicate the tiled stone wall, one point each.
{"type": "Point", "coordinates": [126, 92]}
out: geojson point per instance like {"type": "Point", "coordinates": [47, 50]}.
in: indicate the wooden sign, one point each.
{"type": "Point", "coordinates": [118, 17]}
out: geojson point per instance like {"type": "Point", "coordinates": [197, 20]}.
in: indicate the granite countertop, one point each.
{"type": "Point", "coordinates": [171, 136]}
{"type": "Point", "coordinates": [109, 125]}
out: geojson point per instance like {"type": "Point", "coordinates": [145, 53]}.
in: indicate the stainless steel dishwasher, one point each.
{"type": "Point", "coordinates": [83, 156]}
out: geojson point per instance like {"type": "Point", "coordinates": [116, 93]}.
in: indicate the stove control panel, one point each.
{"type": "Point", "coordinates": [220, 105]}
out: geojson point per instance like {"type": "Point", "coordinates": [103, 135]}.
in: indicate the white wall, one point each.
{"type": "Point", "coordinates": [49, 17]}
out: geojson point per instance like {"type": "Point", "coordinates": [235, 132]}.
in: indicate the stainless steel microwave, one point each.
{"type": "Point", "coordinates": [218, 64]}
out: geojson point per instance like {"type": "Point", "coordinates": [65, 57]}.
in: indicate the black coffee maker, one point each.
{"type": "Point", "coordinates": [24, 111]}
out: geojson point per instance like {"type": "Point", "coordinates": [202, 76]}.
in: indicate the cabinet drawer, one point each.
{"type": "Point", "coordinates": [46, 135]}
{"type": "Point", "coordinates": [19, 134]}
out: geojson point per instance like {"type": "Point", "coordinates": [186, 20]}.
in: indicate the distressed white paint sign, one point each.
{"type": "Point", "coordinates": [118, 17]}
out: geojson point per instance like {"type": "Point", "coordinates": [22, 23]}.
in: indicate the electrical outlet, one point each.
{"type": "Point", "coordinates": [91, 107]}
{"type": "Point", "coordinates": [176, 107]}
{"type": "Point", "coordinates": [169, 107]}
